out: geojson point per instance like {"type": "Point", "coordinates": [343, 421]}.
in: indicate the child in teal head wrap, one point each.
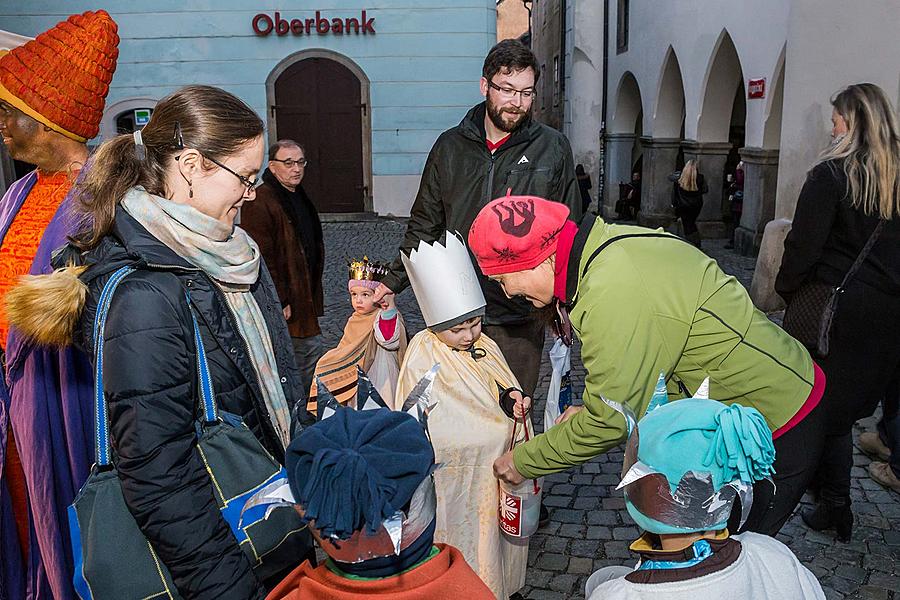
{"type": "Point", "coordinates": [686, 462]}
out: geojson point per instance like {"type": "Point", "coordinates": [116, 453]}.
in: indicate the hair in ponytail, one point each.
{"type": "Point", "coordinates": [206, 118]}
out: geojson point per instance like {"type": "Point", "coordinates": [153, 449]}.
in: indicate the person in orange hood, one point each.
{"type": "Point", "coordinates": [362, 479]}
{"type": "Point", "coordinates": [52, 93]}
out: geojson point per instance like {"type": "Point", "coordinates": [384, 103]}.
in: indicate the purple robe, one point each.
{"type": "Point", "coordinates": [47, 399]}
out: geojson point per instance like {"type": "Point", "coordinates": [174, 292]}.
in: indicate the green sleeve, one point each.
{"type": "Point", "coordinates": [625, 346]}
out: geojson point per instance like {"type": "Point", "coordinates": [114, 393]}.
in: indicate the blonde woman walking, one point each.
{"type": "Point", "coordinates": [687, 199]}
{"type": "Point", "coordinates": [851, 197]}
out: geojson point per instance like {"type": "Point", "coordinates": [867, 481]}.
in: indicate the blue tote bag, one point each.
{"type": "Point", "coordinates": [113, 559]}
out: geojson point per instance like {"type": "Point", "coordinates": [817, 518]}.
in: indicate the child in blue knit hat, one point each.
{"type": "Point", "coordinates": [686, 463]}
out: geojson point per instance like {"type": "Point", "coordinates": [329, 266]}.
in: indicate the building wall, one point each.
{"type": "Point", "coordinates": [423, 62]}
{"type": "Point", "coordinates": [512, 19]}
{"type": "Point", "coordinates": [548, 45]}
{"type": "Point", "coordinates": [830, 44]}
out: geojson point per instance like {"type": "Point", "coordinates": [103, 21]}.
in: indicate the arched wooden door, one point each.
{"type": "Point", "coordinates": [318, 102]}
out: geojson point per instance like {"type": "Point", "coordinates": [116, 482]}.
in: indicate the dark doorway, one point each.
{"type": "Point", "coordinates": [318, 102]}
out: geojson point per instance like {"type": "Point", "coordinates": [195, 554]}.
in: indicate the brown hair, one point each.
{"type": "Point", "coordinates": [509, 56]}
{"type": "Point", "coordinates": [202, 117]}
{"type": "Point", "coordinates": [870, 150]}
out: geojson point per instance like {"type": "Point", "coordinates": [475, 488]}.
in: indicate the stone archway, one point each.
{"type": "Point", "coordinates": [114, 110]}
{"type": "Point", "coordinates": [662, 148]}
{"type": "Point", "coordinates": [620, 141]}
{"type": "Point", "coordinates": [715, 134]}
{"type": "Point", "coordinates": [321, 99]}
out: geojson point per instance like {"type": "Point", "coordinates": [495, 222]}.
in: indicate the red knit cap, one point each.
{"type": "Point", "coordinates": [61, 77]}
{"type": "Point", "coordinates": [516, 233]}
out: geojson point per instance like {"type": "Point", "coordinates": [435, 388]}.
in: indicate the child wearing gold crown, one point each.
{"type": "Point", "coordinates": [374, 340]}
{"type": "Point", "coordinates": [471, 425]}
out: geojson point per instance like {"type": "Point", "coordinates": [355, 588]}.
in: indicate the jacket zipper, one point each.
{"type": "Point", "coordinates": [490, 182]}
{"type": "Point", "coordinates": [233, 320]}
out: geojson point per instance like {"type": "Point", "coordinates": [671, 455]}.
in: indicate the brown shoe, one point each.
{"type": "Point", "coordinates": [870, 443]}
{"type": "Point", "coordinates": [884, 475]}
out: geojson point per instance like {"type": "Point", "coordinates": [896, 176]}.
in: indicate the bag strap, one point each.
{"type": "Point", "coordinates": [863, 254]}
{"type": "Point", "coordinates": [101, 416]}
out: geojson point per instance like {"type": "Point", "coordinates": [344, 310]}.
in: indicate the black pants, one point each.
{"type": "Point", "coordinates": [861, 368]}
{"type": "Point", "coordinates": [522, 346]}
{"type": "Point", "coordinates": [797, 454]}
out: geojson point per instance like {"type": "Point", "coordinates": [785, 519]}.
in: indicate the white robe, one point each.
{"type": "Point", "coordinates": [469, 431]}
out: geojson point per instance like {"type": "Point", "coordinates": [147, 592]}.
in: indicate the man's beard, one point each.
{"type": "Point", "coordinates": [495, 114]}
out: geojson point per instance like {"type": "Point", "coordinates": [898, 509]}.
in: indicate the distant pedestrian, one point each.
{"type": "Point", "coordinates": [736, 201]}
{"type": "Point", "coordinates": [849, 209]}
{"type": "Point", "coordinates": [883, 444]}
{"type": "Point", "coordinates": [285, 224]}
{"type": "Point", "coordinates": [687, 199]}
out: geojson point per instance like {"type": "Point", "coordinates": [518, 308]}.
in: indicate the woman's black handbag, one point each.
{"type": "Point", "coordinates": [112, 557]}
{"type": "Point", "coordinates": [810, 312]}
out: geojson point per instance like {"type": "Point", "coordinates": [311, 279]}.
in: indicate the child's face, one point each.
{"type": "Point", "coordinates": [362, 299]}
{"type": "Point", "coordinates": [462, 336]}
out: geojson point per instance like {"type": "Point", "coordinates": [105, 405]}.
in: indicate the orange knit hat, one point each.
{"type": "Point", "coordinates": [61, 77]}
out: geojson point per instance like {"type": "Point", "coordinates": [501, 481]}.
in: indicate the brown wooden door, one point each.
{"type": "Point", "coordinates": [318, 103]}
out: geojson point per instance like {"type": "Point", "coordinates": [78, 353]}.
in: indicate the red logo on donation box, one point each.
{"type": "Point", "coordinates": [756, 88]}
{"type": "Point", "coordinates": [510, 513]}
{"type": "Point", "coordinates": [263, 25]}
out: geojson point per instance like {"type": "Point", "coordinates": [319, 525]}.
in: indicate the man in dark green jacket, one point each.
{"type": "Point", "coordinates": [497, 147]}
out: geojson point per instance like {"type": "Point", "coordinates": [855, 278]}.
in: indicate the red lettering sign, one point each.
{"type": "Point", "coordinates": [263, 25]}
{"type": "Point", "coordinates": [756, 88]}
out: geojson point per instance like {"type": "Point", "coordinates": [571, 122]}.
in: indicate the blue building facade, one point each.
{"type": "Point", "coordinates": [367, 86]}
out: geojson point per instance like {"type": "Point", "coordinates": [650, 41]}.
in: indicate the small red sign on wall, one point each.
{"type": "Point", "coordinates": [756, 88]}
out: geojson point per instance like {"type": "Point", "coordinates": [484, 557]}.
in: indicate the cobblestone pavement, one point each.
{"type": "Point", "coordinates": [590, 527]}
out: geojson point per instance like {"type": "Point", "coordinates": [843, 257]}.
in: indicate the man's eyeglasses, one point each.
{"type": "Point", "coordinates": [509, 93]}
{"type": "Point", "coordinates": [290, 164]}
{"type": "Point", "coordinates": [250, 183]}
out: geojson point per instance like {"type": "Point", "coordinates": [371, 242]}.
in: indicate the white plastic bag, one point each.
{"type": "Point", "coordinates": [559, 393]}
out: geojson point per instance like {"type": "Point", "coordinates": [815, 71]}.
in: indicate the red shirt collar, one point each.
{"type": "Point", "coordinates": [493, 146]}
{"type": "Point", "coordinates": [563, 250]}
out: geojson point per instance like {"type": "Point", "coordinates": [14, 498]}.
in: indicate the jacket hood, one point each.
{"type": "Point", "coordinates": [46, 309]}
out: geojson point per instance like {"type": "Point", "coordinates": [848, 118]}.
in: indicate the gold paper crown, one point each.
{"type": "Point", "coordinates": [363, 270]}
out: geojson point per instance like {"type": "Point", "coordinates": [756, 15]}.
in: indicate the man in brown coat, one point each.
{"type": "Point", "coordinates": [285, 224]}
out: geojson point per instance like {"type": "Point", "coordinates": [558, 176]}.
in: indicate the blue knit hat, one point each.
{"type": "Point", "coordinates": [688, 460]}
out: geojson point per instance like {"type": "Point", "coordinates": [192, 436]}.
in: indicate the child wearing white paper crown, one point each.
{"type": "Point", "coordinates": [374, 340]}
{"type": "Point", "coordinates": [472, 424]}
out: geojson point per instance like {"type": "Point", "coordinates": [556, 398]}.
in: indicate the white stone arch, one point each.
{"type": "Point", "coordinates": [628, 105]}
{"type": "Point", "coordinates": [723, 76]}
{"type": "Point", "coordinates": [668, 114]}
{"type": "Point", "coordinates": [772, 119]}
{"type": "Point", "coordinates": [108, 122]}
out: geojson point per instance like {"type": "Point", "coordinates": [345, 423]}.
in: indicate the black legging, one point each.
{"type": "Point", "coordinates": [863, 362]}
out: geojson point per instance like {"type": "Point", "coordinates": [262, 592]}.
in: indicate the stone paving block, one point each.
{"type": "Point", "coordinates": [887, 582]}
{"type": "Point", "coordinates": [598, 532]}
{"type": "Point", "coordinates": [571, 530]}
{"type": "Point", "coordinates": [563, 489]}
{"type": "Point", "coordinates": [892, 538]}
{"type": "Point", "coordinates": [856, 574]}
{"type": "Point", "coordinates": [539, 578]}
{"type": "Point", "coordinates": [581, 566]}
{"type": "Point", "coordinates": [602, 517]}
{"type": "Point", "coordinates": [628, 534]}
{"type": "Point", "coordinates": [557, 501]}
{"type": "Point", "coordinates": [553, 562]}
{"type": "Point", "coordinates": [592, 491]}
{"type": "Point", "coordinates": [586, 503]}
{"type": "Point", "coordinates": [617, 550]}
{"type": "Point", "coordinates": [591, 467]}
{"type": "Point", "coordinates": [545, 595]}
{"type": "Point", "coordinates": [567, 515]}
{"type": "Point", "coordinates": [585, 548]}
{"type": "Point", "coordinates": [556, 545]}
{"type": "Point", "coordinates": [613, 503]}
{"type": "Point", "coordinates": [563, 583]}
{"type": "Point", "coordinates": [868, 592]}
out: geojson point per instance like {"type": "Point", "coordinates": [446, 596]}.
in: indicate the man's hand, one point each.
{"type": "Point", "coordinates": [505, 470]}
{"type": "Point", "coordinates": [570, 412]}
{"type": "Point", "coordinates": [286, 311]}
{"type": "Point", "coordinates": [380, 292]}
{"type": "Point", "coordinates": [522, 405]}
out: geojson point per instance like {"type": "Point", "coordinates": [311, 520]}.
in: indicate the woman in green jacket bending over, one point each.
{"type": "Point", "coordinates": [644, 302]}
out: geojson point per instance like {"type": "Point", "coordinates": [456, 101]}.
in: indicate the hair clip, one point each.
{"type": "Point", "coordinates": [178, 141]}
{"type": "Point", "coordinates": [140, 151]}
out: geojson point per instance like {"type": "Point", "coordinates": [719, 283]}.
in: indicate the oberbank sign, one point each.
{"type": "Point", "coordinates": [264, 25]}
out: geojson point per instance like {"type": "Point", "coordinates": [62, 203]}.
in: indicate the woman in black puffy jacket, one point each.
{"type": "Point", "coordinates": [165, 203]}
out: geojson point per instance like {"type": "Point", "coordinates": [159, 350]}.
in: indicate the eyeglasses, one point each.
{"type": "Point", "coordinates": [250, 183]}
{"type": "Point", "coordinates": [290, 164]}
{"type": "Point", "coordinates": [509, 93]}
